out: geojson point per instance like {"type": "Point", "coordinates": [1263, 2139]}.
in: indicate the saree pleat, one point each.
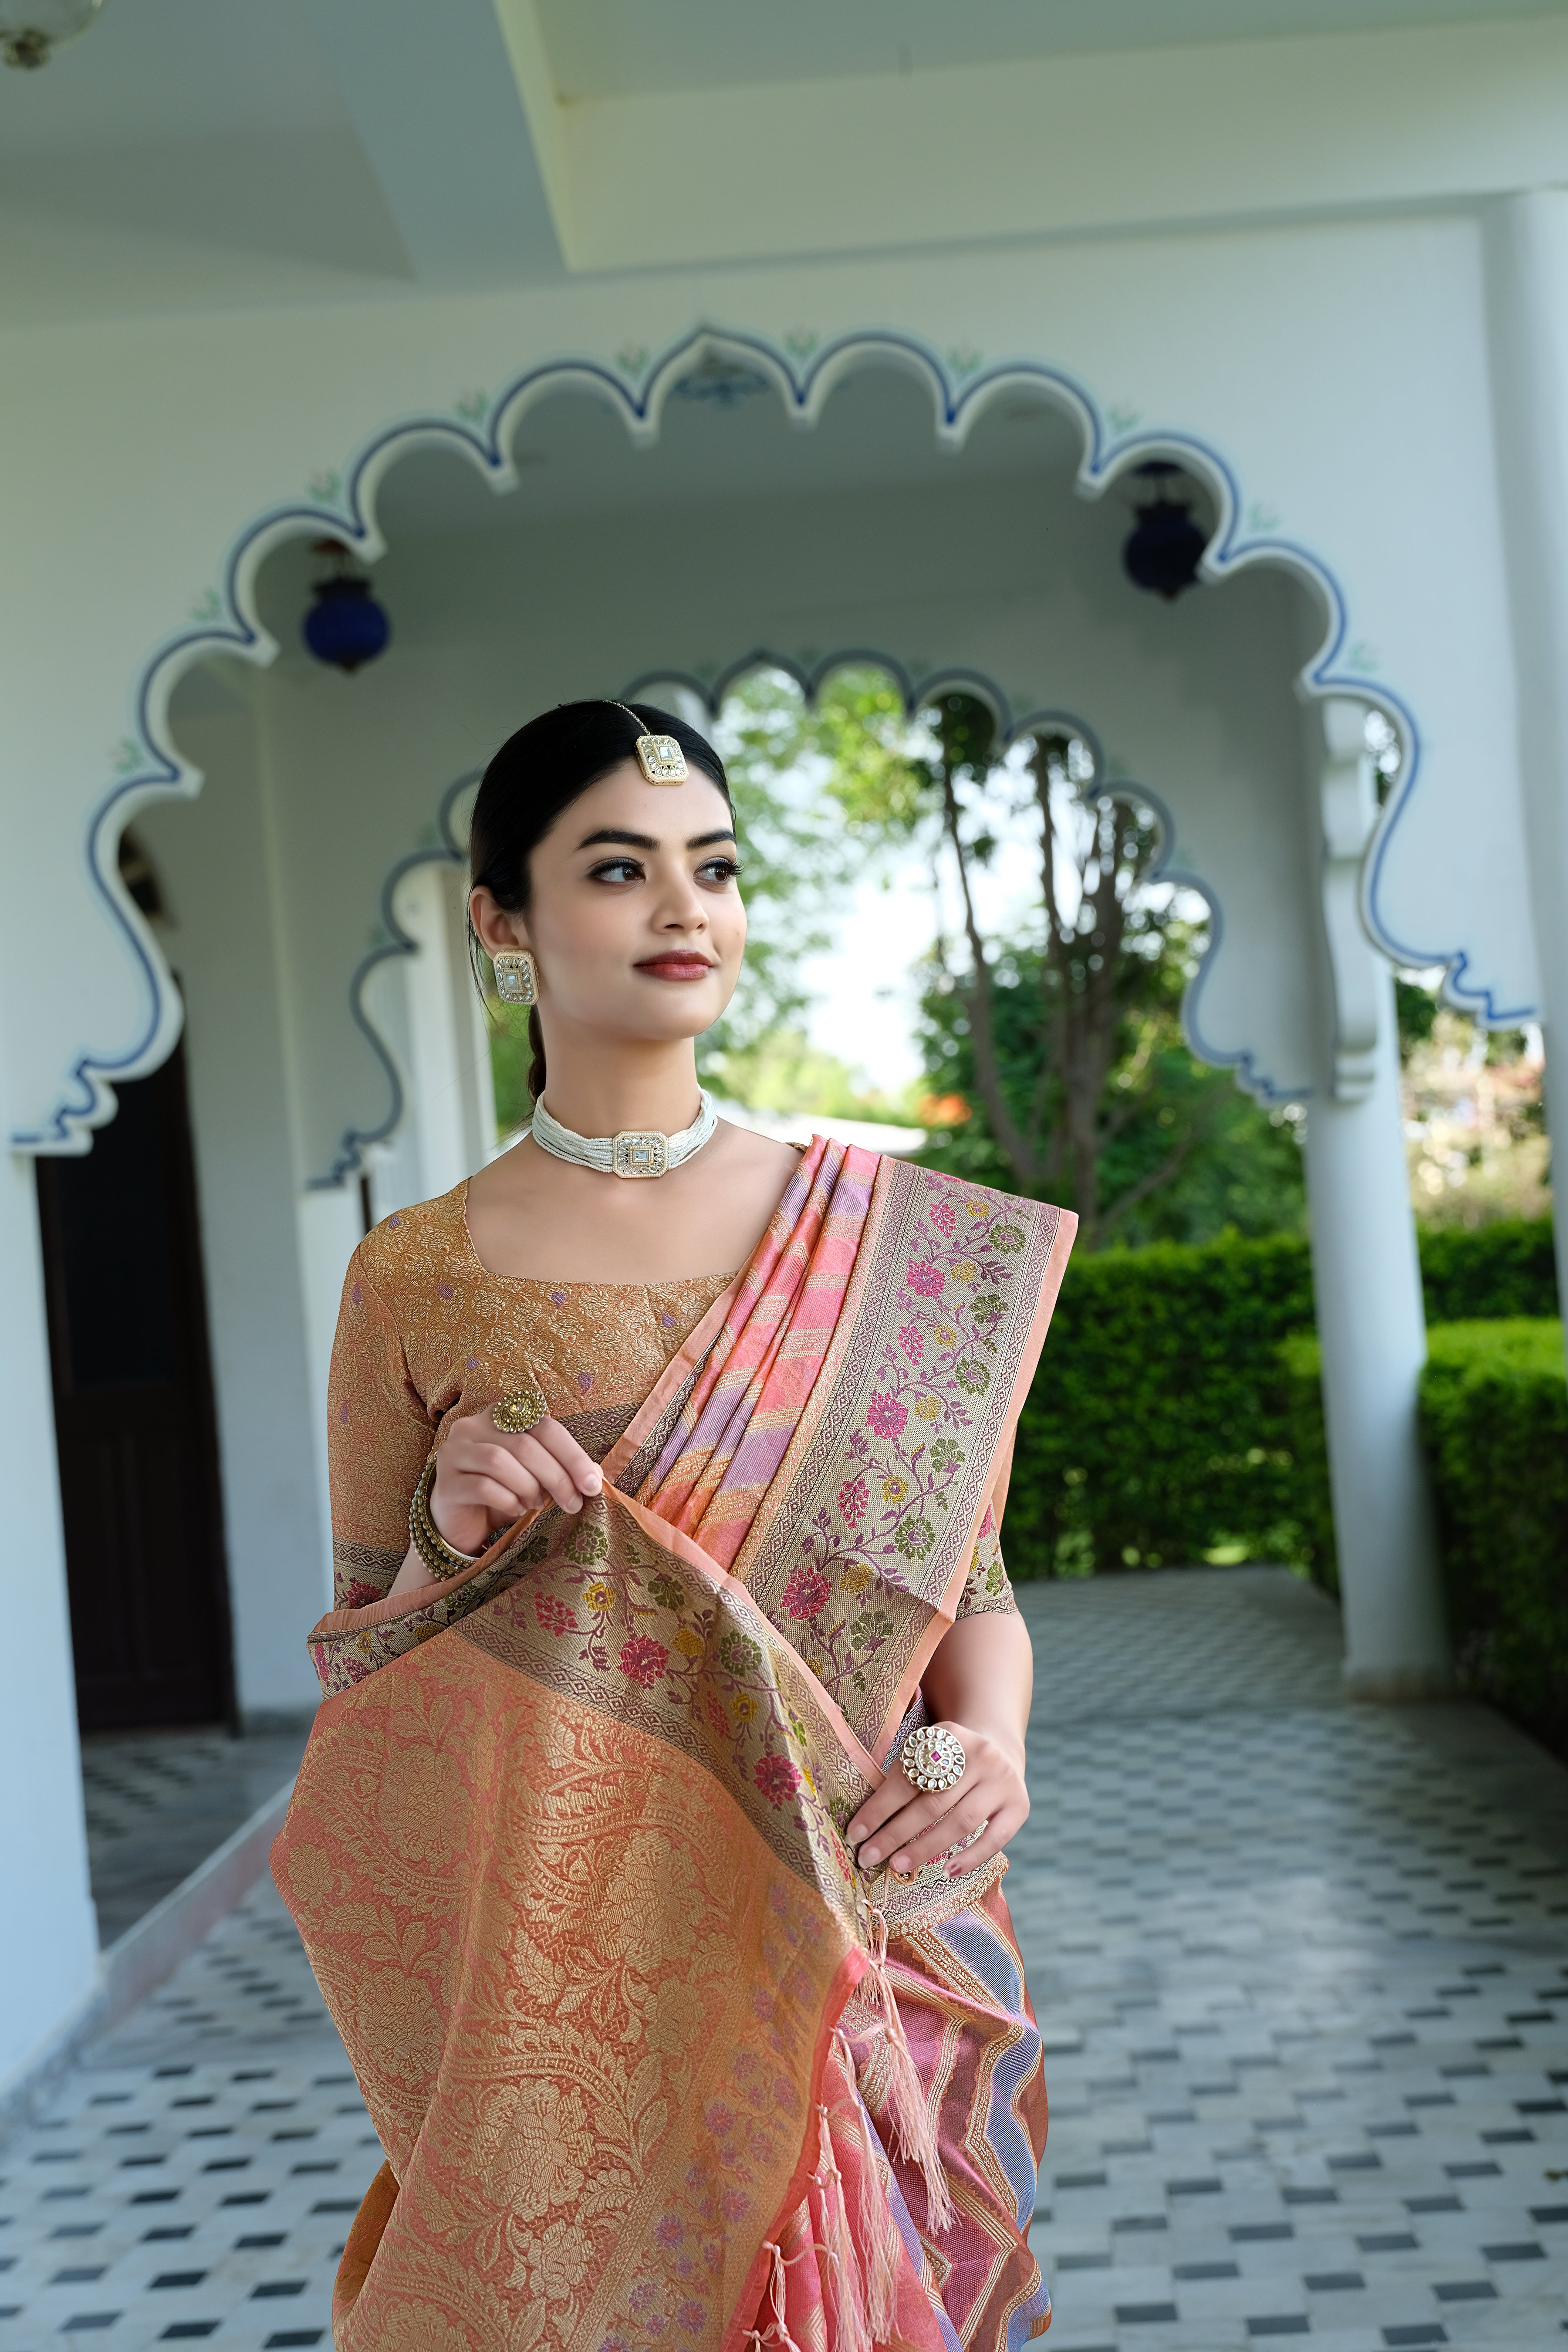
{"type": "Point", "coordinates": [566, 1848]}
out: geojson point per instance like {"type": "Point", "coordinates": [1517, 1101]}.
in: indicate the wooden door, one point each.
{"type": "Point", "coordinates": [133, 1417]}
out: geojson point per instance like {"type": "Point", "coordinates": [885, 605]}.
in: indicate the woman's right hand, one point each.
{"type": "Point", "coordinates": [485, 1478]}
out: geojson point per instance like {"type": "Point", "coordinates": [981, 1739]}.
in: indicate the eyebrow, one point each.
{"type": "Point", "coordinates": [610, 838]}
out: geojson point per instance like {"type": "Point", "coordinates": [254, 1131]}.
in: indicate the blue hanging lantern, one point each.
{"type": "Point", "coordinates": [345, 626]}
{"type": "Point", "coordinates": [1164, 547]}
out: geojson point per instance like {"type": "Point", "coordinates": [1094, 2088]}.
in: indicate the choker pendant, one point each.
{"type": "Point", "coordinates": [636, 1152]}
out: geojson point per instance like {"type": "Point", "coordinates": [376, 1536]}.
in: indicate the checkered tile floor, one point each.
{"type": "Point", "coordinates": [195, 2177]}
{"type": "Point", "coordinates": [1302, 1968]}
{"type": "Point", "coordinates": [158, 1802]}
{"type": "Point", "coordinates": [1302, 1971]}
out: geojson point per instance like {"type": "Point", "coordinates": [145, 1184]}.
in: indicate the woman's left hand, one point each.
{"type": "Point", "coordinates": [900, 1827]}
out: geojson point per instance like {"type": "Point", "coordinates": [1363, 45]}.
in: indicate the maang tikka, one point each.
{"type": "Point", "coordinates": [659, 757]}
{"type": "Point", "coordinates": [517, 976]}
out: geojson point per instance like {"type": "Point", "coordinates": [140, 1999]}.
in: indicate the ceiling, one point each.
{"type": "Point", "coordinates": [616, 48]}
{"type": "Point", "coordinates": [190, 154]}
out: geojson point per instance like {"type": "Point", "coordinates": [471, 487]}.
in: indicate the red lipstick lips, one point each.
{"type": "Point", "coordinates": [678, 965]}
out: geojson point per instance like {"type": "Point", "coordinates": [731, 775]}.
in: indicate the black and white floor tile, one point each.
{"type": "Point", "coordinates": [1302, 1971]}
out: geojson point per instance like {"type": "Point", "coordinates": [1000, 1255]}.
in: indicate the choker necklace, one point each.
{"type": "Point", "coordinates": [635, 1151]}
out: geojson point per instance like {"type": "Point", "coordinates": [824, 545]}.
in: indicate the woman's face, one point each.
{"type": "Point", "coordinates": [634, 918]}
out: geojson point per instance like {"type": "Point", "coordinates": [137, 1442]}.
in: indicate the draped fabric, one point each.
{"type": "Point", "coordinates": [566, 1847]}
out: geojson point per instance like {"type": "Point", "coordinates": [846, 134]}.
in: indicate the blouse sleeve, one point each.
{"type": "Point", "coordinates": [986, 1586]}
{"type": "Point", "coordinates": [378, 1440]}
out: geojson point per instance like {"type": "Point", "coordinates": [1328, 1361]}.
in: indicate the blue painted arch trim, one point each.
{"type": "Point", "coordinates": [959, 397]}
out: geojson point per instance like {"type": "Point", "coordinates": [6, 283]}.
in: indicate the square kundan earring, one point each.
{"type": "Point", "coordinates": [517, 976]}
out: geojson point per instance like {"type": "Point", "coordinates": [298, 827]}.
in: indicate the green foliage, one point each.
{"type": "Point", "coordinates": [814, 789]}
{"type": "Point", "coordinates": [1156, 1431]}
{"type": "Point", "coordinates": [1243, 1172]}
{"type": "Point", "coordinates": [1506, 1268]}
{"type": "Point", "coordinates": [1177, 1412]}
{"type": "Point", "coordinates": [1301, 1393]}
{"type": "Point", "coordinates": [1416, 1010]}
{"type": "Point", "coordinates": [1494, 1418]}
{"type": "Point", "coordinates": [510, 1054]}
{"type": "Point", "coordinates": [785, 1072]}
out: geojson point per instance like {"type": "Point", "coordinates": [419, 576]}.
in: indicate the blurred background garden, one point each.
{"type": "Point", "coordinates": [987, 951]}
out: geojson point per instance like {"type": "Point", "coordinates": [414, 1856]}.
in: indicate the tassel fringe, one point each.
{"type": "Point", "coordinates": [777, 2329]}
{"type": "Point", "coordinates": [853, 2330]}
{"type": "Point", "coordinates": [907, 2107]}
{"type": "Point", "coordinates": [878, 2235]}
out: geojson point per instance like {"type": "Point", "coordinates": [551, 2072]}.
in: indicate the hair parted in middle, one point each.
{"type": "Point", "coordinates": [536, 775]}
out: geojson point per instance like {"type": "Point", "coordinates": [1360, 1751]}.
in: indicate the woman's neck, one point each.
{"type": "Point", "coordinates": [608, 1091]}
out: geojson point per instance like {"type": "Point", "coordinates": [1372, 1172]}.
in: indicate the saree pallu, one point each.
{"type": "Point", "coordinates": [651, 2061]}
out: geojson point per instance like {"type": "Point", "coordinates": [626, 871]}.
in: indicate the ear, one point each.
{"type": "Point", "coordinates": [494, 926]}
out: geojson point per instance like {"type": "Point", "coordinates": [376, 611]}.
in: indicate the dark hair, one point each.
{"type": "Point", "coordinates": [539, 772]}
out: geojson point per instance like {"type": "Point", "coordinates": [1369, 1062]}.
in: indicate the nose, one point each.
{"type": "Point", "coordinates": [682, 908]}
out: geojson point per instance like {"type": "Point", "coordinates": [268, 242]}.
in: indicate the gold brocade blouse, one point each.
{"type": "Point", "coordinates": [426, 1334]}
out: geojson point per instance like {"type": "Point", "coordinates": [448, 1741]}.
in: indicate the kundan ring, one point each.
{"type": "Point", "coordinates": [933, 1758]}
{"type": "Point", "coordinates": [521, 1409]}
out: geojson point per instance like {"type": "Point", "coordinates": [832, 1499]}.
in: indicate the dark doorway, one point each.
{"type": "Point", "coordinates": [133, 1416]}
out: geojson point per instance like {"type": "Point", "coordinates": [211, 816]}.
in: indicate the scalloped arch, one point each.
{"type": "Point", "coordinates": [960, 395]}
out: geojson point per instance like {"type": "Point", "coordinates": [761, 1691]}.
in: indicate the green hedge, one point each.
{"type": "Point", "coordinates": [1156, 1430]}
{"type": "Point", "coordinates": [1169, 1421]}
{"type": "Point", "coordinates": [1497, 1270]}
{"type": "Point", "coordinates": [1494, 1420]}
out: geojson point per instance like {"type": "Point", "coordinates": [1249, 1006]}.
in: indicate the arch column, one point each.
{"type": "Point", "coordinates": [49, 1929]}
{"type": "Point", "coordinates": [1371, 1325]}
{"type": "Point", "coordinates": [1366, 1275]}
{"type": "Point", "coordinates": [1527, 290]}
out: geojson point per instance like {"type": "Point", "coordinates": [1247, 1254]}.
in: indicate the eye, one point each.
{"type": "Point", "coordinates": [615, 869]}
{"type": "Point", "coordinates": [718, 869]}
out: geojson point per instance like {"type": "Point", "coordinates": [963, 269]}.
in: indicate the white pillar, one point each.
{"type": "Point", "coordinates": [1527, 288]}
{"type": "Point", "coordinates": [1372, 1326]}
{"type": "Point", "coordinates": [451, 1096]}
{"type": "Point", "coordinates": [48, 1931]}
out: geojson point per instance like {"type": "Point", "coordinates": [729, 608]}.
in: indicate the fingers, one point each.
{"type": "Point", "coordinates": [557, 1440]}
{"type": "Point", "coordinates": [901, 1829]}
{"type": "Point", "coordinates": [913, 1827]}
{"type": "Point", "coordinates": [881, 1806]}
{"type": "Point", "coordinates": [545, 1464]}
{"type": "Point", "coordinates": [542, 1462]}
{"type": "Point", "coordinates": [1004, 1826]}
{"type": "Point", "coordinates": [466, 1505]}
{"type": "Point", "coordinates": [973, 1813]}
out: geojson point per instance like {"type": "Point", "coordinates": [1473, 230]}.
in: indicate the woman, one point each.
{"type": "Point", "coordinates": [648, 1845]}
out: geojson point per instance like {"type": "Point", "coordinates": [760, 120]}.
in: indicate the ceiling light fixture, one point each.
{"type": "Point", "coordinates": [345, 626]}
{"type": "Point", "coordinates": [1165, 546]}
{"type": "Point", "coordinates": [32, 30]}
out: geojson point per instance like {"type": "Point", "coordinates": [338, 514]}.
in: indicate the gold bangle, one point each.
{"type": "Point", "coordinates": [443, 1559]}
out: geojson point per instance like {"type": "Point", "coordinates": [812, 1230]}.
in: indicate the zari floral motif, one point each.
{"type": "Point", "coordinates": [888, 1523]}
{"type": "Point", "coordinates": [638, 1980]}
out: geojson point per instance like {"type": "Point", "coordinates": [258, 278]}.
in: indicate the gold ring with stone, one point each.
{"type": "Point", "coordinates": [521, 1409]}
{"type": "Point", "coordinates": [933, 1758]}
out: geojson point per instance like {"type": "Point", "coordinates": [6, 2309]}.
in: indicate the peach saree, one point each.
{"type": "Point", "coordinates": [651, 2060]}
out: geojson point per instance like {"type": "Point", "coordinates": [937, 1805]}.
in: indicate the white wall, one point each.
{"type": "Point", "coordinates": [1335, 368]}
{"type": "Point", "coordinates": [214, 863]}
{"type": "Point", "coordinates": [48, 1932]}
